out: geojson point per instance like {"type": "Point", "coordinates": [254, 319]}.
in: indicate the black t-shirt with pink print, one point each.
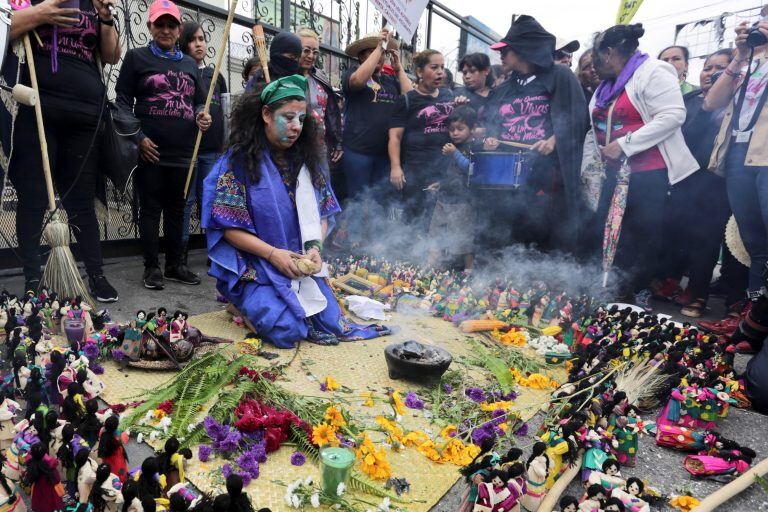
{"type": "Point", "coordinates": [425, 119]}
{"type": "Point", "coordinates": [164, 95]}
{"type": "Point", "coordinates": [66, 64]}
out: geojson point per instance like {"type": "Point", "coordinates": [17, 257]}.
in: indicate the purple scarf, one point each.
{"type": "Point", "coordinates": [608, 90]}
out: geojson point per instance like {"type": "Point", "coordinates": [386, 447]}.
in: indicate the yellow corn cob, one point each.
{"type": "Point", "coordinates": [552, 330]}
{"type": "Point", "coordinates": [480, 325]}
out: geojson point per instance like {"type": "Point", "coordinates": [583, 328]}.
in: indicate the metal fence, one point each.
{"type": "Point", "coordinates": [338, 22]}
{"type": "Point", "coordinates": [705, 36]}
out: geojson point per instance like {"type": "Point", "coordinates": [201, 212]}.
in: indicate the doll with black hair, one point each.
{"type": "Point", "coordinates": [148, 480]}
{"type": "Point", "coordinates": [613, 505]}
{"type": "Point", "coordinates": [610, 476]}
{"type": "Point", "coordinates": [513, 456]}
{"type": "Point", "coordinates": [8, 486]}
{"type": "Point", "coordinates": [568, 503]}
{"type": "Point", "coordinates": [597, 447]}
{"type": "Point", "coordinates": [91, 425]}
{"type": "Point", "coordinates": [111, 450]}
{"type": "Point", "coordinates": [171, 463]}
{"type": "Point", "coordinates": [105, 495]}
{"type": "Point", "coordinates": [475, 473]}
{"type": "Point", "coordinates": [65, 453]}
{"type": "Point", "coordinates": [73, 407]}
{"type": "Point", "coordinates": [131, 501]}
{"type": "Point", "coordinates": [52, 373]}
{"type": "Point", "coordinates": [36, 384]}
{"type": "Point", "coordinates": [594, 499]}
{"type": "Point", "coordinates": [43, 476]}
{"type": "Point", "coordinates": [537, 471]}
{"type": "Point", "coordinates": [239, 501]}
{"type": "Point", "coordinates": [516, 487]}
{"type": "Point", "coordinates": [493, 492]}
{"type": "Point", "coordinates": [631, 495]}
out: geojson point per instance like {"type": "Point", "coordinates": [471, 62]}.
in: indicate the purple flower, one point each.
{"type": "Point", "coordinates": [114, 331]}
{"type": "Point", "coordinates": [228, 444]}
{"type": "Point", "coordinates": [118, 355]}
{"type": "Point", "coordinates": [247, 477]}
{"type": "Point", "coordinates": [91, 351]}
{"type": "Point", "coordinates": [475, 394]}
{"type": "Point", "coordinates": [215, 430]}
{"type": "Point", "coordinates": [96, 368]}
{"type": "Point", "coordinates": [412, 401]}
{"type": "Point", "coordinates": [448, 389]}
{"type": "Point", "coordinates": [298, 459]}
{"type": "Point", "coordinates": [499, 416]}
{"type": "Point", "coordinates": [204, 453]}
{"type": "Point", "coordinates": [522, 430]}
{"type": "Point", "coordinates": [480, 434]}
{"type": "Point", "coordinates": [323, 387]}
{"type": "Point", "coordinates": [226, 470]}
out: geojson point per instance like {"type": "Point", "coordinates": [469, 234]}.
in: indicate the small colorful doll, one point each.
{"type": "Point", "coordinates": [537, 469]}
{"type": "Point", "coordinates": [43, 476]}
{"type": "Point", "coordinates": [131, 346]}
{"type": "Point", "coordinates": [630, 496]}
{"type": "Point", "coordinates": [569, 503]}
{"type": "Point", "coordinates": [626, 435]}
{"type": "Point", "coordinates": [178, 326]}
{"type": "Point", "coordinates": [492, 494]}
{"type": "Point", "coordinates": [610, 477]}
{"type": "Point", "coordinates": [614, 505]}
{"type": "Point", "coordinates": [8, 411]}
{"type": "Point", "coordinates": [105, 494]}
{"type": "Point", "coordinates": [594, 498]}
{"type": "Point", "coordinates": [111, 448]}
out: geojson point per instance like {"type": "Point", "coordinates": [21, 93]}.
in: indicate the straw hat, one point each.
{"type": "Point", "coordinates": [735, 244]}
{"type": "Point", "coordinates": [369, 42]}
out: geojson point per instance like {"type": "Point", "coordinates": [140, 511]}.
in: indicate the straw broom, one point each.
{"type": "Point", "coordinates": [61, 273]}
{"type": "Point", "coordinates": [211, 89]}
{"type": "Point", "coordinates": [260, 42]}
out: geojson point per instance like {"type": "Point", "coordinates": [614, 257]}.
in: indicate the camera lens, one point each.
{"type": "Point", "coordinates": [756, 38]}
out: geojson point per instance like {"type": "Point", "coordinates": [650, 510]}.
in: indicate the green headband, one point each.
{"type": "Point", "coordinates": [286, 87]}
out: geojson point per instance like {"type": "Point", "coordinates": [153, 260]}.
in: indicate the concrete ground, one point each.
{"type": "Point", "coordinates": [660, 467]}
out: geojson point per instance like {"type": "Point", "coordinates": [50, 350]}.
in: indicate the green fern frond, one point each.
{"type": "Point", "coordinates": [361, 483]}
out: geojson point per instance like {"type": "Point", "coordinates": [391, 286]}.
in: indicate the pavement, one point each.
{"type": "Point", "coordinates": [660, 467]}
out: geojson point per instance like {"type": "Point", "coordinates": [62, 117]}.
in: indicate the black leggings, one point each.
{"type": "Point", "coordinates": [161, 191]}
{"type": "Point", "coordinates": [69, 135]}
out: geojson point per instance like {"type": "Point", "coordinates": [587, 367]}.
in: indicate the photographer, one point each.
{"type": "Point", "coordinates": [740, 153]}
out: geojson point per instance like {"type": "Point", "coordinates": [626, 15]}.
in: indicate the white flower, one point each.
{"type": "Point", "coordinates": [309, 481]}
{"type": "Point", "coordinates": [295, 501]}
{"type": "Point", "coordinates": [191, 427]}
{"type": "Point", "coordinates": [340, 489]}
{"type": "Point", "coordinates": [140, 438]}
{"type": "Point", "coordinates": [337, 506]}
{"type": "Point", "coordinates": [288, 498]}
{"type": "Point", "coordinates": [384, 506]}
{"type": "Point", "coordinates": [315, 500]}
{"type": "Point", "coordinates": [153, 435]}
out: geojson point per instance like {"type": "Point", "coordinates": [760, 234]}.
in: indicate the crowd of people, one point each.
{"type": "Point", "coordinates": [527, 152]}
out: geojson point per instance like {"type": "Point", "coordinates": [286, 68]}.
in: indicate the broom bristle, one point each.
{"type": "Point", "coordinates": [61, 273]}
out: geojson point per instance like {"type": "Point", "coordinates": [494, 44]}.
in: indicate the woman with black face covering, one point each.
{"type": "Point", "coordinates": [284, 53]}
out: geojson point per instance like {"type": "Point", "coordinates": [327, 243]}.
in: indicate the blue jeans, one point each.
{"type": "Point", "coordinates": [205, 162]}
{"type": "Point", "coordinates": [748, 195]}
{"type": "Point", "coordinates": [363, 171]}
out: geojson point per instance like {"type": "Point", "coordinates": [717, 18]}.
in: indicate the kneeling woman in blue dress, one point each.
{"type": "Point", "coordinates": [266, 206]}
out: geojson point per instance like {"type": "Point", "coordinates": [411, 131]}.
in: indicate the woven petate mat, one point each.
{"type": "Point", "coordinates": [359, 367]}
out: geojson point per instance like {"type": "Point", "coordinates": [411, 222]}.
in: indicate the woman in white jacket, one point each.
{"type": "Point", "coordinates": [637, 111]}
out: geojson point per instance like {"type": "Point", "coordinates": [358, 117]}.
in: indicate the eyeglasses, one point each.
{"type": "Point", "coordinates": [310, 51]}
{"type": "Point", "coordinates": [166, 24]}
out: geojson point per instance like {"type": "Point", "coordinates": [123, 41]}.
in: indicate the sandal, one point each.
{"type": "Point", "coordinates": [695, 309]}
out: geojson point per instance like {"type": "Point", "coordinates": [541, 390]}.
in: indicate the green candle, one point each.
{"type": "Point", "coordinates": [335, 468]}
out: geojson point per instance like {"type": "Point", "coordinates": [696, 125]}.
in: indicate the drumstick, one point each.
{"type": "Point", "coordinates": [549, 502]}
{"type": "Point", "coordinates": [720, 496]}
{"type": "Point", "coordinates": [516, 144]}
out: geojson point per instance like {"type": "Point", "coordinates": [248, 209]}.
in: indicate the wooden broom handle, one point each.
{"type": "Point", "coordinates": [211, 89]}
{"type": "Point", "coordinates": [552, 498]}
{"type": "Point", "coordinates": [720, 496]}
{"type": "Point", "coordinates": [40, 127]}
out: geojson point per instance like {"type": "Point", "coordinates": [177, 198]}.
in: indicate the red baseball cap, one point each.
{"type": "Point", "coordinates": [163, 7]}
{"type": "Point", "coordinates": [498, 46]}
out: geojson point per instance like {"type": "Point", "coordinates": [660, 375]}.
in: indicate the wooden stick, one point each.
{"type": "Point", "coordinates": [40, 127]}
{"type": "Point", "coordinates": [211, 89]}
{"type": "Point", "coordinates": [720, 496]}
{"type": "Point", "coordinates": [260, 42]}
{"type": "Point", "coordinates": [516, 144]}
{"type": "Point", "coordinates": [552, 498]}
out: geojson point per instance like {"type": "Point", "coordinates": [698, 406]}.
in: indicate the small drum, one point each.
{"type": "Point", "coordinates": [499, 169]}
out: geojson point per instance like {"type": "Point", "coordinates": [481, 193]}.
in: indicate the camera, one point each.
{"type": "Point", "coordinates": [756, 38]}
